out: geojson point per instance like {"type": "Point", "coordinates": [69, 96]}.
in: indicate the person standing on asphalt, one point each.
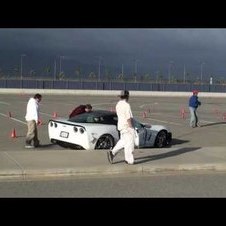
{"type": "Point", "coordinates": [125, 126]}
{"type": "Point", "coordinates": [32, 118]}
{"type": "Point", "coordinates": [193, 106]}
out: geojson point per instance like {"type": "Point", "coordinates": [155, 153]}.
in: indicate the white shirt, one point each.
{"type": "Point", "coordinates": [32, 110]}
{"type": "Point", "coordinates": [124, 113]}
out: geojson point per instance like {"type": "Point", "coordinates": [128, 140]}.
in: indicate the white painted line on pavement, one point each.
{"type": "Point", "coordinates": [173, 123]}
{"type": "Point", "coordinates": [1, 102]}
{"type": "Point", "coordinates": [13, 118]}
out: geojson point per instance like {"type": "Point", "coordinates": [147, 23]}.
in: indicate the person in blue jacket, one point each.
{"type": "Point", "coordinates": [194, 103]}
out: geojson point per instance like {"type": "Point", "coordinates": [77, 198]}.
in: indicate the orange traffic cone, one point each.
{"type": "Point", "coordinates": [40, 122]}
{"type": "Point", "coordinates": [54, 114]}
{"type": "Point", "coordinates": [13, 133]}
{"type": "Point", "coordinates": [182, 112]}
{"type": "Point", "coordinates": [144, 114]}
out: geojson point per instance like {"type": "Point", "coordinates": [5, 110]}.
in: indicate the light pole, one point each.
{"type": "Point", "coordinates": [54, 74]}
{"type": "Point", "coordinates": [21, 65]}
{"type": "Point", "coordinates": [99, 65]}
{"type": "Point", "coordinates": [201, 71]}
{"type": "Point", "coordinates": [169, 72]}
{"type": "Point", "coordinates": [184, 74]}
{"type": "Point", "coordinates": [135, 69]}
{"type": "Point", "coordinates": [61, 57]}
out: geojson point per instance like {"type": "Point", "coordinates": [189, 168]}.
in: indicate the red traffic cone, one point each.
{"type": "Point", "coordinates": [40, 122]}
{"type": "Point", "coordinates": [13, 133]}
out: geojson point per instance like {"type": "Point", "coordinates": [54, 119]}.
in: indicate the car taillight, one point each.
{"type": "Point", "coordinates": [81, 130]}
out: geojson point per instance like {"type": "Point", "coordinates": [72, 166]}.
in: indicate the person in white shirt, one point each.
{"type": "Point", "coordinates": [125, 126]}
{"type": "Point", "coordinates": [32, 118]}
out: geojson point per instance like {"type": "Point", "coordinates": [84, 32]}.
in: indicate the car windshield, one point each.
{"type": "Point", "coordinates": [98, 116]}
{"type": "Point", "coordinates": [137, 124]}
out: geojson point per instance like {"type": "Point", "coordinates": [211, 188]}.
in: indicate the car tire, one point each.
{"type": "Point", "coordinates": [161, 139]}
{"type": "Point", "coordinates": [105, 142]}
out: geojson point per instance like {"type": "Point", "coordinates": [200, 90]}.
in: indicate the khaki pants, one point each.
{"type": "Point", "coordinates": [32, 133]}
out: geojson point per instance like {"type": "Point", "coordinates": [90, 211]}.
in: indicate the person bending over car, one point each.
{"type": "Point", "coordinates": [81, 109]}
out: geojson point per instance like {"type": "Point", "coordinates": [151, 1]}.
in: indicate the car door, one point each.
{"type": "Point", "coordinates": [143, 135]}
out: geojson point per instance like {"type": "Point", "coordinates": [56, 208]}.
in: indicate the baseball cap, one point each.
{"type": "Point", "coordinates": [124, 93]}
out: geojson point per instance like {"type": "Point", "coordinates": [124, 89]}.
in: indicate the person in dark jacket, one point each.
{"type": "Point", "coordinates": [194, 103]}
{"type": "Point", "coordinates": [80, 109]}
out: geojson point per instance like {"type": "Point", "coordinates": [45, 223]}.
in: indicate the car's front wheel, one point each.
{"type": "Point", "coordinates": [161, 139]}
{"type": "Point", "coordinates": [105, 142]}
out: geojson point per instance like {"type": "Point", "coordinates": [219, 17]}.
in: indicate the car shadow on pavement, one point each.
{"type": "Point", "coordinates": [164, 155]}
{"type": "Point", "coordinates": [177, 141]}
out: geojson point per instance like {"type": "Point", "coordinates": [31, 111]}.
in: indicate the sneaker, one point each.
{"type": "Point", "coordinates": [110, 156]}
{"type": "Point", "coordinates": [29, 146]}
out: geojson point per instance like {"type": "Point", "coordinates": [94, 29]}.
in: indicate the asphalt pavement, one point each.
{"type": "Point", "coordinates": [38, 163]}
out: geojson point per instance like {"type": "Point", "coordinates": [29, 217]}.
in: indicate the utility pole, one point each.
{"type": "Point", "coordinates": [55, 69]}
{"type": "Point", "coordinates": [184, 74]}
{"type": "Point", "coordinates": [21, 65]}
{"type": "Point", "coordinates": [61, 57]}
{"type": "Point", "coordinates": [201, 71]}
{"type": "Point", "coordinates": [169, 70]}
{"type": "Point", "coordinates": [99, 65]}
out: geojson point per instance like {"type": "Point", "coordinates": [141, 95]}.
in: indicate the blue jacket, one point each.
{"type": "Point", "coordinates": [194, 102]}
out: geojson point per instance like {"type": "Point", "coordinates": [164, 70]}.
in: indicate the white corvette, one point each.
{"type": "Point", "coordinates": [98, 130]}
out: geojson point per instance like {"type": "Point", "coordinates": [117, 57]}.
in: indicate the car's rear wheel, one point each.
{"type": "Point", "coordinates": [105, 142]}
{"type": "Point", "coordinates": [161, 139]}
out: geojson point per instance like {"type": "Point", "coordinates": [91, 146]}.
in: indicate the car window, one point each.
{"type": "Point", "coordinates": [137, 124]}
{"type": "Point", "coordinates": [95, 117]}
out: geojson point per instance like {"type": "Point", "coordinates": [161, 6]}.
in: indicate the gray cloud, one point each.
{"type": "Point", "coordinates": [154, 48]}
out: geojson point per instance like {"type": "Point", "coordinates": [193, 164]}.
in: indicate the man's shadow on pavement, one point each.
{"type": "Point", "coordinates": [213, 124]}
{"type": "Point", "coordinates": [163, 155]}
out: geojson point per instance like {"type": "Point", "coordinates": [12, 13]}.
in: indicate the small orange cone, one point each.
{"type": "Point", "coordinates": [224, 116]}
{"type": "Point", "coordinates": [144, 114]}
{"type": "Point", "coordinates": [40, 122]}
{"type": "Point", "coordinates": [182, 112]}
{"type": "Point", "coordinates": [54, 114]}
{"type": "Point", "coordinates": [13, 133]}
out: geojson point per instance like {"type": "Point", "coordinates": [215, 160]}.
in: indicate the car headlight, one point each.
{"type": "Point", "coordinates": [75, 129]}
{"type": "Point", "coordinates": [51, 124]}
{"type": "Point", "coordinates": [55, 125]}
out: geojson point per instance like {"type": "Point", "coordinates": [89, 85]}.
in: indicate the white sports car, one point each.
{"type": "Point", "coordinates": [98, 130]}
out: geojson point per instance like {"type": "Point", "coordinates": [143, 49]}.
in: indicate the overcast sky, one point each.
{"type": "Point", "coordinates": [153, 49]}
